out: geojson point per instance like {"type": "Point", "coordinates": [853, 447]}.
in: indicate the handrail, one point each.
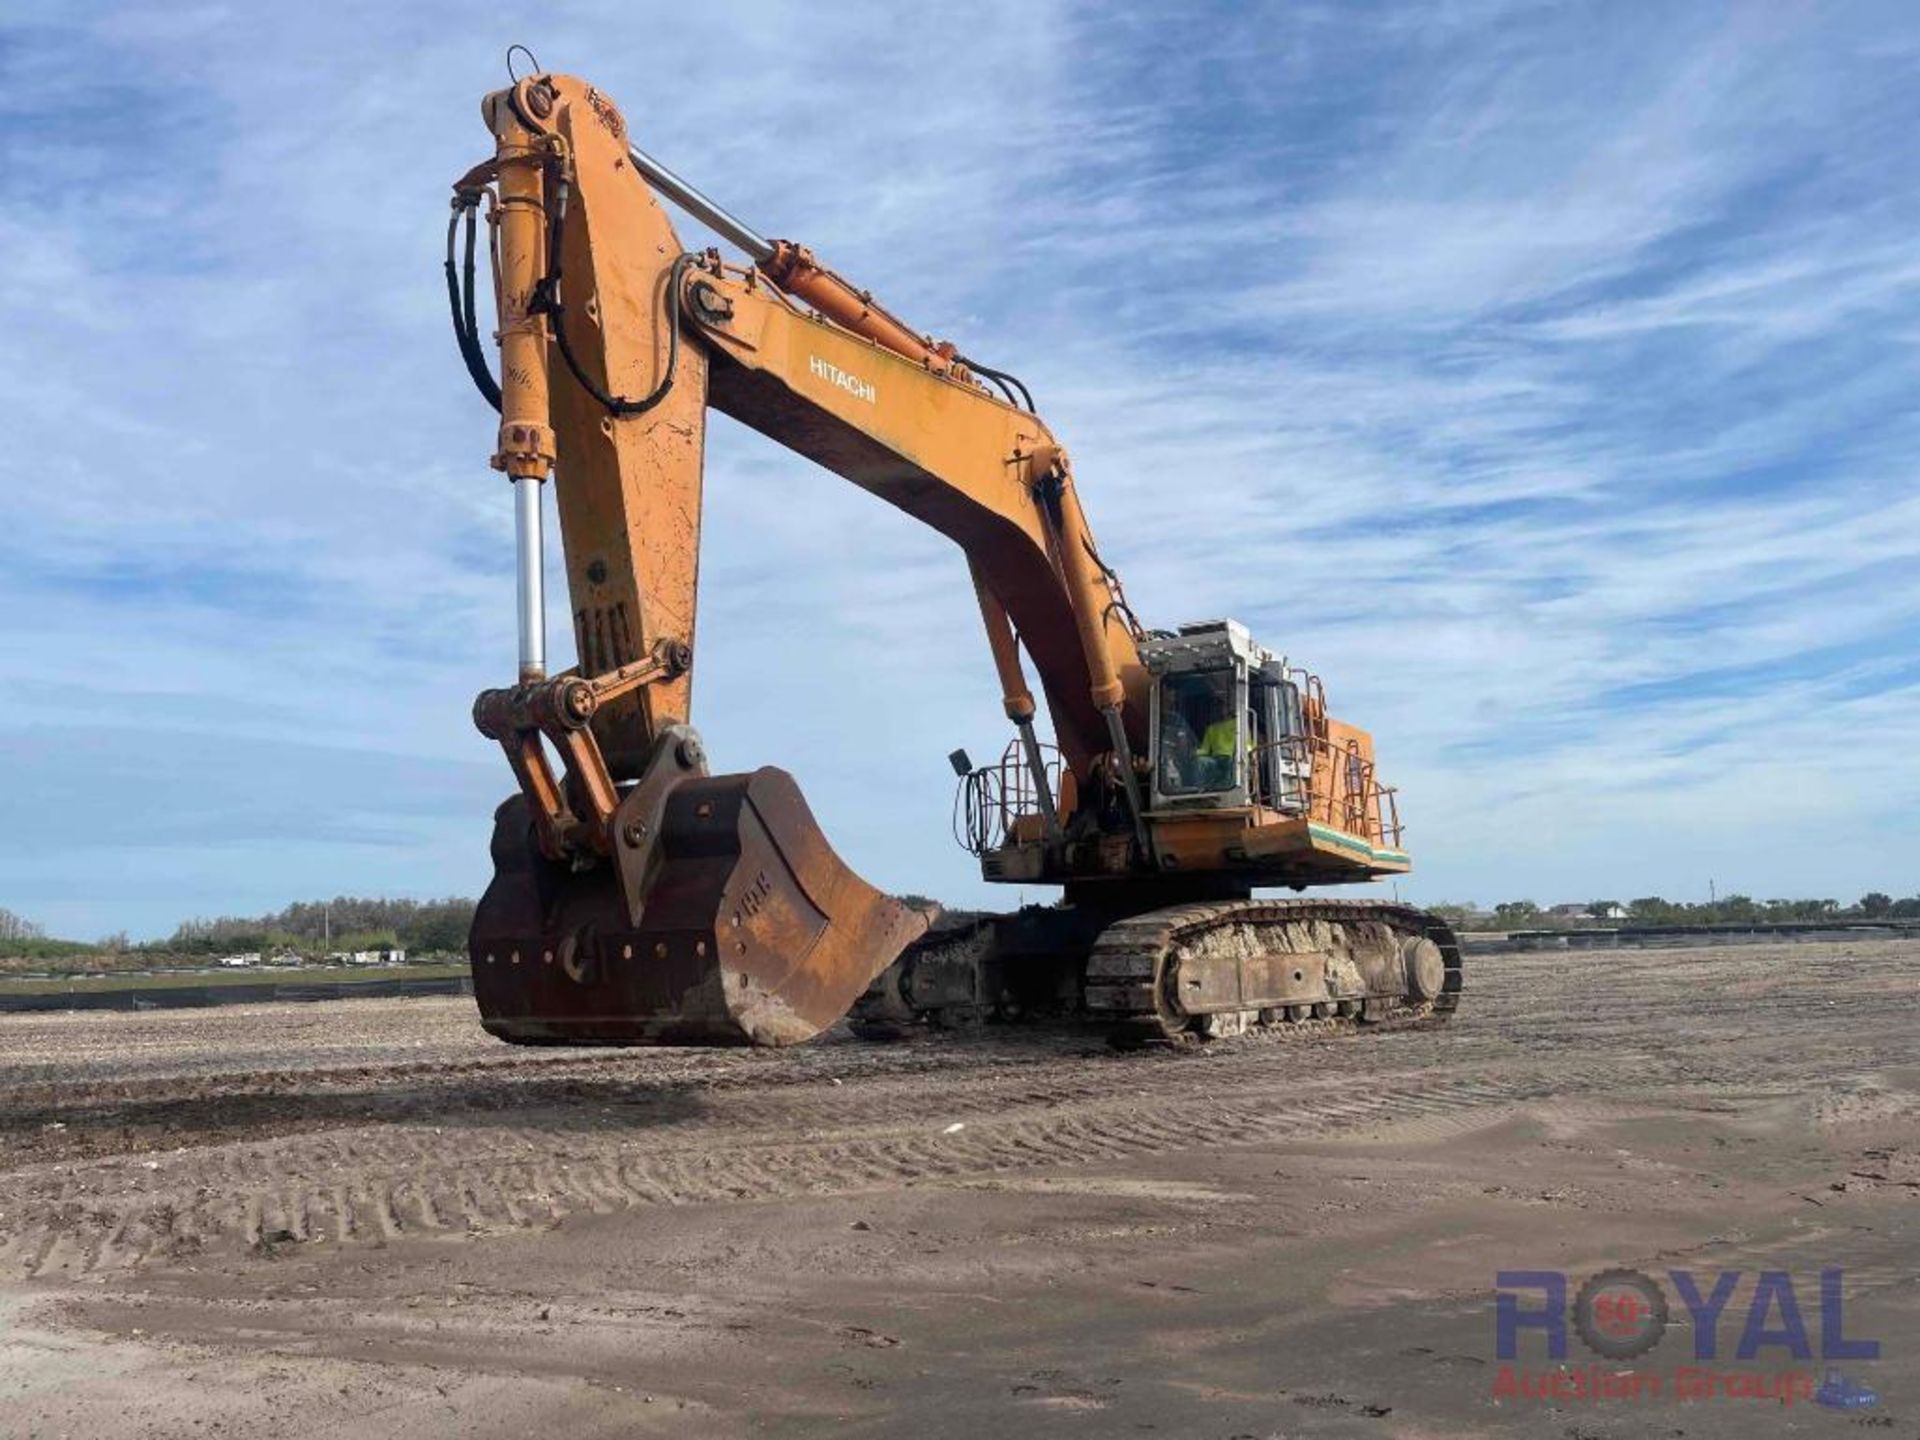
{"type": "Point", "coordinates": [994, 798]}
{"type": "Point", "coordinates": [1336, 786]}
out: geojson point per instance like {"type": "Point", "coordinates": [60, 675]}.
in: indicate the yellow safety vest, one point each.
{"type": "Point", "coordinates": [1219, 739]}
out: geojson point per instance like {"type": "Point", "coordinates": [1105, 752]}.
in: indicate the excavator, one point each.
{"type": "Point", "coordinates": [639, 899]}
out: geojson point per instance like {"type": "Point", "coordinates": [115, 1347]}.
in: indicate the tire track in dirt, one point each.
{"type": "Point", "coordinates": [361, 1188]}
{"type": "Point", "coordinates": [364, 1187]}
{"type": "Point", "coordinates": [496, 1140]}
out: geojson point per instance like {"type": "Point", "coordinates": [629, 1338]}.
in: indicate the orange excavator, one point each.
{"type": "Point", "coordinates": [638, 899]}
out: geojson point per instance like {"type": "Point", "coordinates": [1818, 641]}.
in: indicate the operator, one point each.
{"type": "Point", "coordinates": [1220, 739]}
{"type": "Point", "coordinates": [1213, 760]}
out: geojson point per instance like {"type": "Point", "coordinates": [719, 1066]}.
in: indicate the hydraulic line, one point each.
{"type": "Point", "coordinates": [466, 327]}
{"type": "Point", "coordinates": [619, 404]}
{"type": "Point", "coordinates": [547, 301]}
{"type": "Point", "coordinates": [1006, 382]}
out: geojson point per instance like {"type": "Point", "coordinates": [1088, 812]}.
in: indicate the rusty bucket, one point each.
{"type": "Point", "coordinates": [726, 919]}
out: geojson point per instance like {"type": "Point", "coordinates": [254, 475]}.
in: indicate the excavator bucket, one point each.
{"type": "Point", "coordinates": [726, 919]}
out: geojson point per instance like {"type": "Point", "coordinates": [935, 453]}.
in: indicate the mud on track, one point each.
{"type": "Point", "coordinates": [137, 1140]}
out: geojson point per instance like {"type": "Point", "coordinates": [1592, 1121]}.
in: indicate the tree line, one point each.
{"type": "Point", "coordinates": [351, 922]}
{"type": "Point", "coordinates": [18, 927]}
{"type": "Point", "coordinates": [1657, 910]}
{"type": "Point", "coordinates": [347, 922]}
{"type": "Point", "coordinates": [306, 928]}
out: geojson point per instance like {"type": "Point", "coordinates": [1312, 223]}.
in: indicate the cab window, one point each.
{"type": "Point", "coordinates": [1199, 733]}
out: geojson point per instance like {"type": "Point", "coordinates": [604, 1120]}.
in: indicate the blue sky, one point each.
{"type": "Point", "coordinates": [1542, 375]}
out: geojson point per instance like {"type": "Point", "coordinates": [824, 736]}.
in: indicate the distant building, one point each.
{"type": "Point", "coordinates": [1583, 910]}
{"type": "Point", "coordinates": [392, 955]}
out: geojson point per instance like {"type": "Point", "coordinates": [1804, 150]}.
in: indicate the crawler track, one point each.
{"type": "Point", "coordinates": [1128, 976]}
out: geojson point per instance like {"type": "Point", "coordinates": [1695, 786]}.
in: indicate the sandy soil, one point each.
{"type": "Point", "coordinates": [365, 1218]}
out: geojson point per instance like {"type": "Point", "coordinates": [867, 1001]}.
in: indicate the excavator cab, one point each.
{"type": "Point", "coordinates": [1227, 722]}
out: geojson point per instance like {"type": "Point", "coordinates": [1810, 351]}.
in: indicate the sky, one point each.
{"type": "Point", "coordinates": [1541, 375]}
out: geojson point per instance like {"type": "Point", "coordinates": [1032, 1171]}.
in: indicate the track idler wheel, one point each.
{"type": "Point", "coordinates": [725, 918]}
{"type": "Point", "coordinates": [1426, 967]}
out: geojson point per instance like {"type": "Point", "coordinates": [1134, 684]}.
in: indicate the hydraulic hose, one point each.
{"type": "Point", "coordinates": [1003, 380]}
{"type": "Point", "coordinates": [547, 301]}
{"type": "Point", "coordinates": [466, 329]}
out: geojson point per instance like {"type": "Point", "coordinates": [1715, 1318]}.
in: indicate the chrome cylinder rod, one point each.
{"type": "Point", "coordinates": [531, 561]}
{"type": "Point", "coordinates": [700, 207]}
{"type": "Point", "coordinates": [1130, 782]}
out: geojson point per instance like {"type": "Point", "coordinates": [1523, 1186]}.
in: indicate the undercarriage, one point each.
{"type": "Point", "coordinates": [1177, 975]}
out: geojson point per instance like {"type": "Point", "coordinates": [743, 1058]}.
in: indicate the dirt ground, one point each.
{"type": "Point", "coordinates": [365, 1218]}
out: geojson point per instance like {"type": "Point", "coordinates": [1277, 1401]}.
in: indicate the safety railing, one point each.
{"type": "Point", "coordinates": [1329, 782]}
{"type": "Point", "coordinates": [1325, 781]}
{"type": "Point", "coordinates": [994, 800]}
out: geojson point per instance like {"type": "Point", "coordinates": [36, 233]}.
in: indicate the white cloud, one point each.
{"type": "Point", "coordinates": [1492, 359]}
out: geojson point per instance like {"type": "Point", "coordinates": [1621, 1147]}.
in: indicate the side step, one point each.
{"type": "Point", "coordinates": [726, 919]}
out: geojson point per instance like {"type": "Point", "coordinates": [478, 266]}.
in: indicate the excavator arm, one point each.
{"type": "Point", "coordinates": [614, 340]}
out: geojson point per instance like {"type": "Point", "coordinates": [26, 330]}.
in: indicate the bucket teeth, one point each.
{"type": "Point", "coordinates": [750, 930]}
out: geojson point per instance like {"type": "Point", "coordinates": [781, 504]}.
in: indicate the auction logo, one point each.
{"type": "Point", "coordinates": [1623, 1315]}
{"type": "Point", "coordinates": [1620, 1314]}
